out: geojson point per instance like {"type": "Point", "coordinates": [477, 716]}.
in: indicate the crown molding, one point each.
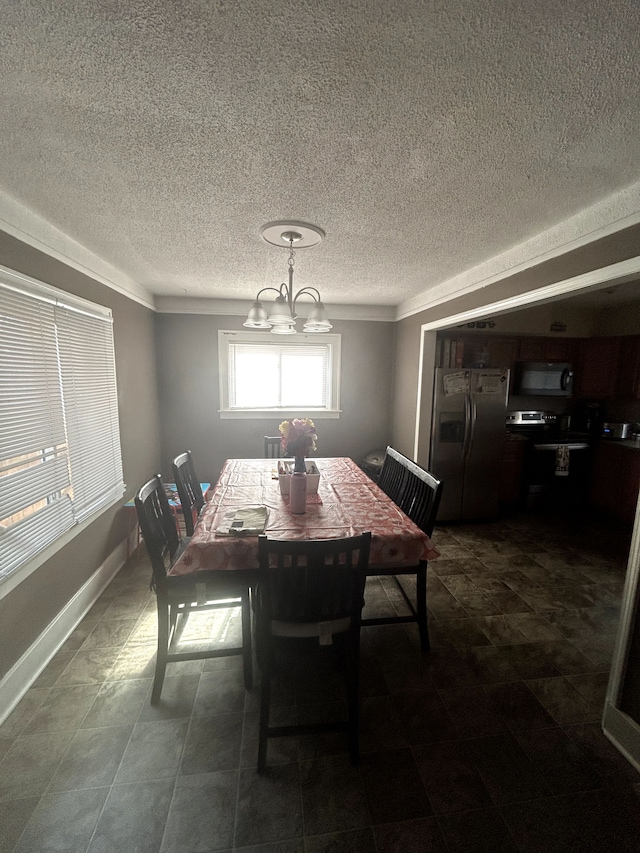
{"type": "Point", "coordinates": [239, 308]}
{"type": "Point", "coordinates": [29, 227]}
{"type": "Point", "coordinates": [615, 213]}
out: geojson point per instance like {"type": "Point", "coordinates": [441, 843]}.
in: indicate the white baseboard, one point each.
{"type": "Point", "coordinates": [25, 671]}
{"type": "Point", "coordinates": [623, 732]}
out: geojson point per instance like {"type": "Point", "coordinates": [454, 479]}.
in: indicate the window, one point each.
{"type": "Point", "coordinates": [60, 459]}
{"type": "Point", "coordinates": [261, 374]}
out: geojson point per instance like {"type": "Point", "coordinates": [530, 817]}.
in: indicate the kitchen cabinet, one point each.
{"type": "Point", "coordinates": [475, 350]}
{"type": "Point", "coordinates": [464, 351]}
{"type": "Point", "coordinates": [502, 351]}
{"type": "Point", "coordinates": [531, 349]}
{"type": "Point", "coordinates": [628, 373]}
{"type": "Point", "coordinates": [615, 481]}
{"type": "Point", "coordinates": [605, 367]}
{"type": "Point", "coordinates": [536, 348]}
{"type": "Point", "coordinates": [596, 368]}
{"type": "Point", "coordinates": [512, 469]}
{"type": "Point", "coordinates": [560, 349]}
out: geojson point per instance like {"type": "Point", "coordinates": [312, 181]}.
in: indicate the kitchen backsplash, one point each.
{"type": "Point", "coordinates": [558, 405]}
{"type": "Point", "coordinates": [623, 410]}
{"type": "Point", "coordinates": [612, 410]}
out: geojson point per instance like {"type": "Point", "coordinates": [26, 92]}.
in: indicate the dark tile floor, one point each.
{"type": "Point", "coordinates": [492, 742]}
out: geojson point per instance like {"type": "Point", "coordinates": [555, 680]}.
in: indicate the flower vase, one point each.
{"type": "Point", "coordinates": [298, 493]}
{"type": "Point", "coordinates": [299, 465]}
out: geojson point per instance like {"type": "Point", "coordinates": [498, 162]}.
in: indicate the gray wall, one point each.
{"type": "Point", "coordinates": [189, 394]}
{"type": "Point", "coordinates": [405, 387]}
{"type": "Point", "coordinates": [27, 610]}
{"type": "Point", "coordinates": [537, 320]}
{"type": "Point", "coordinates": [620, 319]}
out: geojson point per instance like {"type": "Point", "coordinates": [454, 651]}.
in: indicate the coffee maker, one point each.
{"type": "Point", "coordinates": [588, 417]}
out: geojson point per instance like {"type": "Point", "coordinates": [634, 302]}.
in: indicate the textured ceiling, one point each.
{"type": "Point", "coordinates": [425, 138]}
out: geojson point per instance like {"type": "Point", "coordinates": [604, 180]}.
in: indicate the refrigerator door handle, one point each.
{"type": "Point", "coordinates": [466, 444]}
{"type": "Point", "coordinates": [474, 418]}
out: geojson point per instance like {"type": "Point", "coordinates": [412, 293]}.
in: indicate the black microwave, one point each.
{"type": "Point", "coordinates": [544, 379]}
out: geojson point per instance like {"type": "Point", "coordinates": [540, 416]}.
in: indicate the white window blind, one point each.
{"type": "Point", "coordinates": [60, 458]}
{"type": "Point", "coordinates": [263, 376]}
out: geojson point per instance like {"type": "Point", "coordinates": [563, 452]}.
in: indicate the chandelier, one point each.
{"type": "Point", "coordinates": [281, 316]}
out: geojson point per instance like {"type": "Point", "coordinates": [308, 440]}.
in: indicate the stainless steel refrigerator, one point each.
{"type": "Point", "coordinates": [467, 440]}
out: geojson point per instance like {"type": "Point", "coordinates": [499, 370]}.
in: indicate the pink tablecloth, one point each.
{"type": "Point", "coordinates": [348, 503]}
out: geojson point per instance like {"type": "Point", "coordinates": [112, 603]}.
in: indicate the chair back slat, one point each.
{"type": "Point", "coordinates": [393, 475]}
{"type": "Point", "coordinates": [158, 526]}
{"type": "Point", "coordinates": [415, 491]}
{"type": "Point", "coordinates": [312, 580]}
{"type": "Point", "coordinates": [189, 490]}
{"type": "Point", "coordinates": [273, 447]}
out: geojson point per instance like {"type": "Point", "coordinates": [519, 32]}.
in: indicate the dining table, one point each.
{"type": "Point", "coordinates": [347, 503]}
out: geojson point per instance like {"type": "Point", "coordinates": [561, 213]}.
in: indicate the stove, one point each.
{"type": "Point", "coordinates": [544, 428]}
{"type": "Point", "coordinates": [520, 420]}
{"type": "Point", "coordinates": [557, 463]}
{"type": "Point", "coordinates": [537, 425]}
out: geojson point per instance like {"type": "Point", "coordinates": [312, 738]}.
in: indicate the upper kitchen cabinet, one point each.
{"type": "Point", "coordinates": [478, 351]}
{"type": "Point", "coordinates": [596, 368]}
{"type": "Point", "coordinates": [627, 386]}
{"type": "Point", "coordinates": [502, 351]}
{"type": "Point", "coordinates": [560, 349]}
{"type": "Point", "coordinates": [531, 349]}
{"type": "Point", "coordinates": [535, 348]}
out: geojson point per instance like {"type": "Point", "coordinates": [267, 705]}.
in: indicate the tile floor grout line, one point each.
{"type": "Point", "coordinates": [106, 799]}
{"type": "Point", "coordinates": [242, 743]}
{"type": "Point", "coordinates": [179, 767]}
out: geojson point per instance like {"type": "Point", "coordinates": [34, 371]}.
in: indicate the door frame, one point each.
{"type": "Point", "coordinates": [619, 728]}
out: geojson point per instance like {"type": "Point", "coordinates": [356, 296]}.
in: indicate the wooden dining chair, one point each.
{"type": "Point", "coordinates": [273, 447]}
{"type": "Point", "coordinates": [189, 490]}
{"type": "Point", "coordinates": [417, 493]}
{"type": "Point", "coordinates": [309, 589]}
{"type": "Point", "coordinates": [178, 596]}
{"type": "Point", "coordinates": [412, 488]}
{"type": "Point", "coordinates": [393, 474]}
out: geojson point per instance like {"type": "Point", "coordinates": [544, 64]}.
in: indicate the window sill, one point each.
{"type": "Point", "coordinates": [261, 414]}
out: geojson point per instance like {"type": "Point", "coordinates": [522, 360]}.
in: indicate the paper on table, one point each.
{"type": "Point", "coordinates": [244, 521]}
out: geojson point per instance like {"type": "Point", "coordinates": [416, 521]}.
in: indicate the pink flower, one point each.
{"type": "Point", "coordinates": [298, 436]}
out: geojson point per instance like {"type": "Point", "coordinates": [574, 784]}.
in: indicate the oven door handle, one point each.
{"type": "Point", "coordinates": [571, 445]}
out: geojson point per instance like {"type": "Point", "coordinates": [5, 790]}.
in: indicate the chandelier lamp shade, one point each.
{"type": "Point", "coordinates": [280, 316]}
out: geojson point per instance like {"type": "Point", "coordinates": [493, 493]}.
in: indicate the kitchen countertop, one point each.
{"type": "Point", "coordinates": [567, 437]}
{"type": "Point", "coordinates": [551, 437]}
